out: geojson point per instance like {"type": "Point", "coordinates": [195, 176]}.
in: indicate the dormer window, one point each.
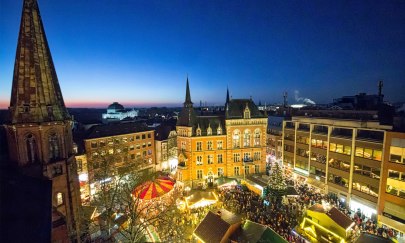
{"type": "Point", "coordinates": [209, 130]}
{"type": "Point", "coordinates": [219, 130]}
{"type": "Point", "coordinates": [246, 113]}
{"type": "Point", "coordinates": [198, 131]}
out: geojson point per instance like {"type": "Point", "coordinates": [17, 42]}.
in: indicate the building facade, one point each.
{"type": "Point", "coordinates": [40, 129]}
{"type": "Point", "coordinates": [391, 208]}
{"type": "Point", "coordinates": [230, 144]}
{"type": "Point", "coordinates": [117, 112]}
{"type": "Point", "coordinates": [114, 150]}
{"type": "Point", "coordinates": [341, 157]}
{"type": "Point", "coordinates": [166, 148]}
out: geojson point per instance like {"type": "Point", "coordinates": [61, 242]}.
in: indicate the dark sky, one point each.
{"type": "Point", "coordinates": [140, 52]}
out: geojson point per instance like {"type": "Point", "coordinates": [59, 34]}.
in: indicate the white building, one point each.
{"type": "Point", "coordinates": [117, 112]}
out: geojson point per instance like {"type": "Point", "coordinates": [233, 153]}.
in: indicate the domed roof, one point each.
{"type": "Point", "coordinates": [115, 106]}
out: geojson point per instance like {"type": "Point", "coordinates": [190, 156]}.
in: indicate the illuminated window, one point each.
{"type": "Point", "coordinates": [198, 131]}
{"type": "Point", "coordinates": [219, 158]}
{"type": "Point", "coordinates": [219, 145]}
{"type": "Point", "coordinates": [220, 172]}
{"type": "Point", "coordinates": [209, 130]}
{"type": "Point", "coordinates": [219, 130]}
{"type": "Point", "coordinates": [236, 157]}
{"type": "Point", "coordinates": [199, 146]}
{"type": "Point", "coordinates": [54, 146]}
{"type": "Point", "coordinates": [93, 144]}
{"type": "Point", "coordinates": [210, 159]}
{"type": "Point", "coordinates": [209, 145]}
{"type": "Point", "coordinates": [257, 137]}
{"type": "Point", "coordinates": [257, 169]}
{"type": "Point", "coordinates": [199, 174]}
{"type": "Point", "coordinates": [332, 147]}
{"type": "Point", "coordinates": [59, 199]}
{"type": "Point", "coordinates": [199, 160]}
{"type": "Point", "coordinates": [236, 139]}
{"type": "Point", "coordinates": [247, 170]}
{"type": "Point", "coordinates": [236, 171]}
{"type": "Point", "coordinates": [246, 138]}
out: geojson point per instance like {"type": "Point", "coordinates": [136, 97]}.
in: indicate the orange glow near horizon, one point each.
{"type": "Point", "coordinates": [95, 104]}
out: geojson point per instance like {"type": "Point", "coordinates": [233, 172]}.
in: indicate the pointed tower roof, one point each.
{"type": "Point", "coordinates": [35, 95]}
{"type": "Point", "coordinates": [187, 113]}
{"type": "Point", "coordinates": [227, 95]}
{"type": "Point", "coordinates": [188, 96]}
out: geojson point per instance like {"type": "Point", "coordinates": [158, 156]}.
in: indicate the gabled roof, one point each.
{"type": "Point", "coordinates": [339, 217]}
{"type": "Point", "coordinates": [252, 232]}
{"type": "Point", "coordinates": [36, 95]}
{"type": "Point", "coordinates": [235, 108]}
{"type": "Point", "coordinates": [162, 132]}
{"type": "Point", "coordinates": [213, 227]}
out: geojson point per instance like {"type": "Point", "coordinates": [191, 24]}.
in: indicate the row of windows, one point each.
{"type": "Point", "coordinates": [319, 143]}
{"type": "Point", "coordinates": [339, 164]}
{"type": "Point", "coordinates": [209, 131]}
{"type": "Point", "coordinates": [236, 171]}
{"type": "Point", "coordinates": [341, 149]}
{"type": "Point", "coordinates": [368, 153]}
{"type": "Point", "coordinates": [236, 138]}
{"type": "Point", "coordinates": [396, 191]}
{"type": "Point", "coordinates": [361, 187]}
{"type": "Point", "coordinates": [210, 159]}
{"type": "Point", "coordinates": [102, 153]}
{"type": "Point", "coordinates": [303, 140]}
{"type": "Point", "coordinates": [111, 141]}
{"type": "Point", "coordinates": [341, 181]}
{"type": "Point", "coordinates": [209, 145]}
{"type": "Point", "coordinates": [367, 171]}
{"type": "Point", "coordinates": [396, 175]}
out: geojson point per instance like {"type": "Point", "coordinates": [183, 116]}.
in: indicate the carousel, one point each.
{"type": "Point", "coordinates": [155, 196]}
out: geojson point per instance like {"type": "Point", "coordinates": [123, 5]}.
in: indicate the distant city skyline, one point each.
{"type": "Point", "coordinates": [139, 53]}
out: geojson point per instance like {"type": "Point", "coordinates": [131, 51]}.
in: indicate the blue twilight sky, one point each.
{"type": "Point", "coordinates": [140, 52]}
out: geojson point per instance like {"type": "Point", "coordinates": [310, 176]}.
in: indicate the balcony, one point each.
{"type": "Point", "coordinates": [365, 195]}
{"type": "Point", "coordinates": [247, 160]}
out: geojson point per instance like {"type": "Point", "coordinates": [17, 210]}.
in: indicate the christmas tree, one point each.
{"type": "Point", "coordinates": [276, 181]}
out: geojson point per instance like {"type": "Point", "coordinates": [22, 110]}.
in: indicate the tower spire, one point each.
{"type": "Point", "coordinates": [36, 94]}
{"type": "Point", "coordinates": [188, 96]}
{"type": "Point", "coordinates": [227, 94]}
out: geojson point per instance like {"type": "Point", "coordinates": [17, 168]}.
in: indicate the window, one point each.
{"type": "Point", "coordinates": [236, 171]}
{"type": "Point", "coordinates": [131, 147]}
{"type": "Point", "coordinates": [137, 137]}
{"type": "Point", "coordinates": [236, 157]}
{"type": "Point", "coordinates": [94, 155]}
{"type": "Point", "coordinates": [219, 158]}
{"type": "Point", "coordinates": [183, 145]}
{"type": "Point", "coordinates": [93, 144]}
{"type": "Point", "coordinates": [198, 131]}
{"type": "Point", "coordinates": [220, 172]}
{"type": "Point", "coordinates": [138, 146]}
{"type": "Point", "coordinates": [247, 170]}
{"type": "Point", "coordinates": [143, 136]}
{"type": "Point", "coordinates": [199, 174]}
{"type": "Point", "coordinates": [256, 156]}
{"type": "Point", "coordinates": [199, 160]}
{"type": "Point", "coordinates": [199, 146]}
{"type": "Point", "coordinates": [257, 137]}
{"type": "Point", "coordinates": [332, 147]}
{"type": "Point", "coordinates": [339, 148]}
{"type": "Point", "coordinates": [246, 157]}
{"type": "Point", "coordinates": [236, 139]}
{"type": "Point", "coordinates": [57, 170]}
{"type": "Point", "coordinates": [209, 131]}
{"type": "Point", "coordinates": [149, 151]}
{"type": "Point", "coordinates": [149, 144]}
{"type": "Point", "coordinates": [219, 145]}
{"type": "Point", "coordinates": [102, 143]}
{"type": "Point", "coordinates": [143, 145]}
{"type": "Point", "coordinates": [54, 146]}
{"type": "Point", "coordinates": [369, 153]}
{"type": "Point", "coordinates": [246, 138]}
{"type": "Point", "coordinates": [347, 150]}
{"type": "Point", "coordinates": [59, 199]}
{"type": "Point", "coordinates": [210, 159]}
{"type": "Point", "coordinates": [209, 145]}
{"type": "Point", "coordinates": [111, 151]}
{"type": "Point", "coordinates": [149, 135]}
{"type": "Point", "coordinates": [257, 169]}
{"type": "Point", "coordinates": [246, 113]}
{"type": "Point", "coordinates": [79, 165]}
{"type": "Point", "coordinates": [219, 131]}
{"type": "Point", "coordinates": [125, 140]}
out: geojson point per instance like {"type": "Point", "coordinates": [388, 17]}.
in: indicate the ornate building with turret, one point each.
{"type": "Point", "coordinates": [39, 132]}
{"type": "Point", "coordinates": [231, 144]}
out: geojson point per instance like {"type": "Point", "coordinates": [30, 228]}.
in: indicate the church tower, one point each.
{"type": "Point", "coordinates": [39, 131]}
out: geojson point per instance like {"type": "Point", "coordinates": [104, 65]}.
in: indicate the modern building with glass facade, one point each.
{"type": "Point", "coordinates": [341, 157]}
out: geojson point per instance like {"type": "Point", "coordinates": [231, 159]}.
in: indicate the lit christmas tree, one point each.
{"type": "Point", "coordinates": [276, 182]}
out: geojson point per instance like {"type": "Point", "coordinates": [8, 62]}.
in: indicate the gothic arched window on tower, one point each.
{"type": "Point", "coordinates": [31, 144]}
{"type": "Point", "coordinates": [257, 137]}
{"type": "Point", "coordinates": [54, 151]}
{"type": "Point", "coordinates": [246, 138]}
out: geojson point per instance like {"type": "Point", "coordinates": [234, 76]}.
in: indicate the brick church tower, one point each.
{"type": "Point", "coordinates": [39, 132]}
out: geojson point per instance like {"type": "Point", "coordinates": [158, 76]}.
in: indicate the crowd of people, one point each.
{"type": "Point", "coordinates": [283, 215]}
